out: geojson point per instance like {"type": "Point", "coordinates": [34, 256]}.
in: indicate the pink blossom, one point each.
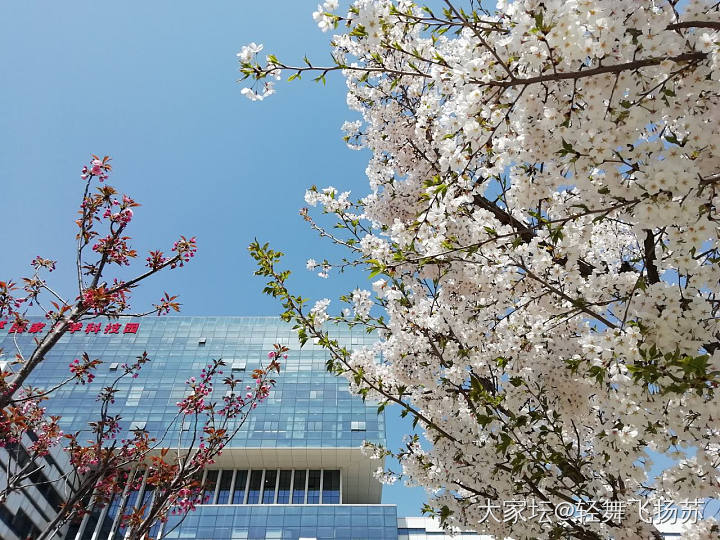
{"type": "Point", "coordinates": [96, 167]}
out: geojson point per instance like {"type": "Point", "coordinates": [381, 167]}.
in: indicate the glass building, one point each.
{"type": "Point", "coordinates": [295, 469]}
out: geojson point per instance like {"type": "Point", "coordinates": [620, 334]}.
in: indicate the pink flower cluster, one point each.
{"type": "Point", "coordinates": [186, 248]}
{"type": "Point", "coordinates": [195, 402]}
{"type": "Point", "coordinates": [187, 500]}
{"type": "Point", "coordinates": [83, 459]}
{"type": "Point", "coordinates": [156, 260]}
{"type": "Point", "coordinates": [100, 298]}
{"type": "Point", "coordinates": [98, 167]}
{"type": "Point", "coordinates": [123, 216]}
{"type": "Point", "coordinates": [81, 372]}
{"type": "Point", "coordinates": [115, 249]}
{"type": "Point", "coordinates": [107, 486]}
{"type": "Point", "coordinates": [48, 435]}
{"type": "Point", "coordinates": [38, 262]}
{"type": "Point", "coordinates": [233, 405]}
{"type": "Point", "coordinates": [17, 420]}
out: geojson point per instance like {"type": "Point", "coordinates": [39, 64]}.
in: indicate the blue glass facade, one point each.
{"type": "Point", "coordinates": [344, 522]}
{"type": "Point", "coordinates": [311, 426]}
{"type": "Point", "coordinates": [308, 408]}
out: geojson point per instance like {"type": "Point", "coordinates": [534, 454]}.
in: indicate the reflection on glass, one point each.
{"type": "Point", "coordinates": [147, 499]}
{"type": "Point", "coordinates": [129, 505]}
{"type": "Point", "coordinates": [269, 487]}
{"type": "Point", "coordinates": [224, 492]}
{"type": "Point", "coordinates": [155, 529]}
{"type": "Point", "coordinates": [210, 482]}
{"type": "Point", "coordinates": [283, 496]}
{"type": "Point", "coordinates": [299, 488]}
{"type": "Point", "coordinates": [239, 491]}
{"type": "Point", "coordinates": [313, 495]}
{"type": "Point", "coordinates": [255, 485]}
{"type": "Point", "coordinates": [331, 487]}
{"type": "Point", "coordinates": [113, 508]}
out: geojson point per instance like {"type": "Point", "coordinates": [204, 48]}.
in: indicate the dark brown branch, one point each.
{"type": "Point", "coordinates": [649, 248]}
{"type": "Point", "coordinates": [709, 180]}
{"type": "Point", "coordinates": [524, 231]}
{"type": "Point", "coordinates": [615, 68]}
{"type": "Point", "coordinates": [504, 217]}
{"type": "Point", "coordinates": [694, 24]}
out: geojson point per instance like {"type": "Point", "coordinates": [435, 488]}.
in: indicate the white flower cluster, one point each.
{"type": "Point", "coordinates": [544, 204]}
{"type": "Point", "coordinates": [708, 530]}
{"type": "Point", "coordinates": [385, 477]}
{"type": "Point", "coordinates": [319, 311]}
{"type": "Point", "coordinates": [321, 17]}
{"type": "Point", "coordinates": [267, 90]}
{"type": "Point", "coordinates": [248, 52]}
{"type": "Point", "coordinates": [329, 198]}
{"type": "Point", "coordinates": [324, 267]}
{"type": "Point", "coordinates": [247, 57]}
{"type": "Point", "coordinates": [362, 303]}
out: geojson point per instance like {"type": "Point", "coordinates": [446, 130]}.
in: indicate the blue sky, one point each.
{"type": "Point", "coordinates": [153, 84]}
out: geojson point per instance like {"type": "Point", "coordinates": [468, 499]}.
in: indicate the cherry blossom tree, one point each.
{"type": "Point", "coordinates": [102, 462]}
{"type": "Point", "coordinates": [542, 230]}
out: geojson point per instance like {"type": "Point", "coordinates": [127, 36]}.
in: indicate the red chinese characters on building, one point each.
{"type": "Point", "coordinates": [36, 327]}
{"type": "Point", "coordinates": [92, 327]}
{"type": "Point", "coordinates": [131, 328]}
{"type": "Point", "coordinates": [72, 328]}
{"type": "Point", "coordinates": [112, 328]}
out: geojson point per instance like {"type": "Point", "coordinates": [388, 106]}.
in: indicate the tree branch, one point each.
{"type": "Point", "coordinates": [649, 256]}
{"type": "Point", "coordinates": [615, 68]}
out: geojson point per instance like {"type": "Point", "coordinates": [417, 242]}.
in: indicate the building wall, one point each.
{"type": "Point", "coordinates": [290, 522]}
{"type": "Point", "coordinates": [31, 508]}
{"type": "Point", "coordinates": [308, 408]}
{"type": "Point", "coordinates": [419, 528]}
{"type": "Point", "coordinates": [309, 423]}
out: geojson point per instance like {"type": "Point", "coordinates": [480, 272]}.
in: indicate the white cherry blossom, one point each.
{"type": "Point", "coordinates": [542, 231]}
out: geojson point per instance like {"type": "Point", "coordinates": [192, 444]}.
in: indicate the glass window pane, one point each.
{"type": "Point", "coordinates": [331, 487]}
{"type": "Point", "coordinates": [283, 496]}
{"type": "Point", "coordinates": [299, 488]}
{"type": "Point", "coordinates": [114, 506]}
{"type": "Point", "coordinates": [210, 482]}
{"type": "Point", "coordinates": [129, 505]}
{"type": "Point", "coordinates": [255, 485]}
{"type": "Point", "coordinates": [313, 496]}
{"type": "Point", "coordinates": [147, 499]}
{"type": "Point", "coordinates": [224, 492]}
{"type": "Point", "coordinates": [239, 491]}
{"type": "Point", "coordinates": [269, 487]}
